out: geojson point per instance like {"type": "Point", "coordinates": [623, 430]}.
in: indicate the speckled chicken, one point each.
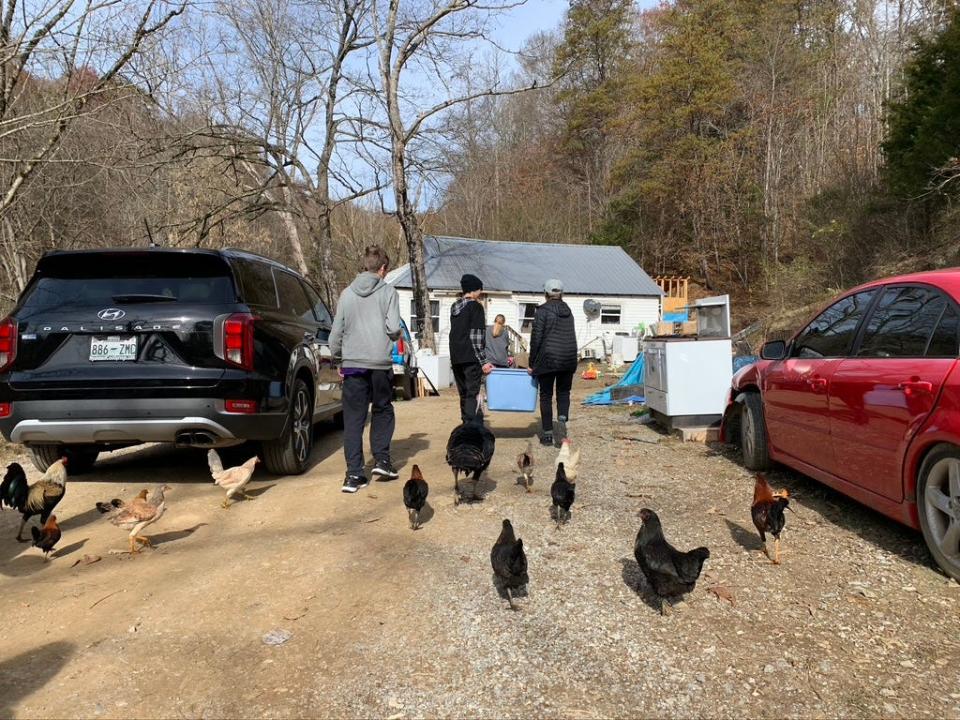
{"type": "Point", "coordinates": [37, 499]}
{"type": "Point", "coordinates": [234, 479]}
{"type": "Point", "coordinates": [525, 465]}
{"type": "Point", "coordinates": [138, 514]}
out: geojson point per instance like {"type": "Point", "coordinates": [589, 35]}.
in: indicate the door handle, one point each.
{"type": "Point", "coordinates": [817, 383]}
{"type": "Point", "coordinates": [911, 386]}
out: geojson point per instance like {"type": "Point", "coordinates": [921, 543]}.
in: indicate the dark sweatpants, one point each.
{"type": "Point", "coordinates": [359, 392]}
{"type": "Point", "coordinates": [468, 377]}
{"type": "Point", "coordinates": [563, 381]}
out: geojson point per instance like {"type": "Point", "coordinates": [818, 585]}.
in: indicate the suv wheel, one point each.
{"type": "Point", "coordinates": [289, 454]}
{"type": "Point", "coordinates": [938, 505]}
{"type": "Point", "coordinates": [80, 458]}
{"type": "Point", "coordinates": [753, 433]}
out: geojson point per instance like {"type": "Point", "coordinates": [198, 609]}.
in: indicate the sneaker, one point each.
{"type": "Point", "coordinates": [561, 430]}
{"type": "Point", "coordinates": [384, 471]}
{"type": "Point", "coordinates": [546, 439]}
{"type": "Point", "coordinates": [352, 483]}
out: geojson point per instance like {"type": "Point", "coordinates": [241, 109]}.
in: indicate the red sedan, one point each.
{"type": "Point", "coordinates": [866, 399]}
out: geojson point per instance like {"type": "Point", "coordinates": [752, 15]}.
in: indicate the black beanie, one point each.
{"type": "Point", "coordinates": [470, 283]}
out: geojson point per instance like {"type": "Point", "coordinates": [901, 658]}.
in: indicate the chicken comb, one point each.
{"type": "Point", "coordinates": [415, 473]}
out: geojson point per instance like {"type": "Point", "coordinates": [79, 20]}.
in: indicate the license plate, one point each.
{"type": "Point", "coordinates": [113, 347]}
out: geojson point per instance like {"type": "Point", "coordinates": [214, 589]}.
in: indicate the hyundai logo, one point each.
{"type": "Point", "coordinates": [111, 314]}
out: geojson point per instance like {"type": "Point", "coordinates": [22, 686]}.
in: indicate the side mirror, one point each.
{"type": "Point", "coordinates": [774, 350]}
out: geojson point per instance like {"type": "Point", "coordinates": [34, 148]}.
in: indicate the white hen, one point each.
{"type": "Point", "coordinates": [234, 479]}
{"type": "Point", "coordinates": [569, 458]}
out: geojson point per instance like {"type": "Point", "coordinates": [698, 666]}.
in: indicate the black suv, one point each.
{"type": "Point", "coordinates": [202, 348]}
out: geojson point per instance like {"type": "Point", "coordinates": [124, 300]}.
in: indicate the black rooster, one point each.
{"type": "Point", "coordinates": [509, 561]}
{"type": "Point", "coordinates": [469, 450]}
{"type": "Point", "coordinates": [37, 499]}
{"type": "Point", "coordinates": [563, 493]}
{"type": "Point", "coordinates": [415, 495]}
{"type": "Point", "coordinates": [668, 571]}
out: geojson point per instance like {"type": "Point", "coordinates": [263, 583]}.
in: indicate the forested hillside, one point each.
{"type": "Point", "coordinates": [775, 150]}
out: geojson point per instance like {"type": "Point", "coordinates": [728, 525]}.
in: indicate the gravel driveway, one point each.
{"type": "Point", "coordinates": [375, 620]}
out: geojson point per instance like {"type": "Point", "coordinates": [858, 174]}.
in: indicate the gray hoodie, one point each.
{"type": "Point", "coordinates": [366, 324]}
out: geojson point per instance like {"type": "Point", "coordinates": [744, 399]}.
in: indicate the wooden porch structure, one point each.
{"type": "Point", "coordinates": [676, 290]}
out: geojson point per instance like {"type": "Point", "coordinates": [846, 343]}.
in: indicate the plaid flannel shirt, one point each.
{"type": "Point", "coordinates": [478, 338]}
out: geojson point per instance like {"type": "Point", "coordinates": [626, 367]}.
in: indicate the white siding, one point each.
{"type": "Point", "coordinates": [633, 311]}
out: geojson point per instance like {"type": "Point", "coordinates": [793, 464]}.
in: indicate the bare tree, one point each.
{"type": "Point", "coordinates": [278, 111]}
{"type": "Point", "coordinates": [59, 61]}
{"type": "Point", "coordinates": [429, 39]}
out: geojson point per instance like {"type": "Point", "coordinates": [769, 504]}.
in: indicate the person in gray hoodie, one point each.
{"type": "Point", "coordinates": [364, 328]}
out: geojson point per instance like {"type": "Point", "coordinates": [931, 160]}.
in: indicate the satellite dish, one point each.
{"type": "Point", "coordinates": [591, 308]}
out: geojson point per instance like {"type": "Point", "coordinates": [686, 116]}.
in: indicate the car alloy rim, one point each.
{"type": "Point", "coordinates": [747, 421]}
{"type": "Point", "coordinates": [941, 498]}
{"type": "Point", "coordinates": [301, 426]}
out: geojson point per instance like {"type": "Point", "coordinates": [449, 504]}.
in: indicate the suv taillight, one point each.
{"type": "Point", "coordinates": [8, 343]}
{"type": "Point", "coordinates": [238, 340]}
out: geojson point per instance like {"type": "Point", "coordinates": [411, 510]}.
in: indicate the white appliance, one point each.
{"type": "Point", "coordinates": [686, 379]}
{"type": "Point", "coordinates": [436, 368]}
{"type": "Point", "coordinates": [626, 347]}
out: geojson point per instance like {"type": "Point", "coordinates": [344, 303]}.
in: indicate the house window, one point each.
{"type": "Point", "coordinates": [528, 310]}
{"type": "Point", "coordinates": [434, 315]}
{"type": "Point", "coordinates": [609, 314]}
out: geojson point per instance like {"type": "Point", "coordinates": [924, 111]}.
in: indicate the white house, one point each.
{"type": "Point", "coordinates": [513, 274]}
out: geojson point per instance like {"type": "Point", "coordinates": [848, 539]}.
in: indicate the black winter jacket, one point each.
{"type": "Point", "coordinates": [553, 343]}
{"type": "Point", "coordinates": [468, 331]}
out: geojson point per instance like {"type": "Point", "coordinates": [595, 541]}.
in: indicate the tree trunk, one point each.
{"type": "Point", "coordinates": [413, 237]}
{"type": "Point", "coordinates": [293, 232]}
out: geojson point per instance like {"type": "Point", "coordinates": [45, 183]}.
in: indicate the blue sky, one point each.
{"type": "Point", "coordinates": [522, 22]}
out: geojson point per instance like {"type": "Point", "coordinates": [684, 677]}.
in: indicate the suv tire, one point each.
{"type": "Point", "coordinates": [753, 433]}
{"type": "Point", "coordinates": [938, 506]}
{"type": "Point", "coordinates": [80, 458]}
{"type": "Point", "coordinates": [290, 453]}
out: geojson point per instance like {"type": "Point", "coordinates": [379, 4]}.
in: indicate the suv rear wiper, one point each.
{"type": "Point", "coordinates": [145, 297]}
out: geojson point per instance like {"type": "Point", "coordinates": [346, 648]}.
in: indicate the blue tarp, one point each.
{"type": "Point", "coordinates": [676, 316]}
{"type": "Point", "coordinates": [634, 376]}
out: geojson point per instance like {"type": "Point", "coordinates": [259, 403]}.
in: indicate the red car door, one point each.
{"type": "Point", "coordinates": [880, 397]}
{"type": "Point", "coordinates": [796, 390]}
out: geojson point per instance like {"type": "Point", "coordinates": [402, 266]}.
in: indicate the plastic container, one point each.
{"type": "Point", "coordinates": [511, 391]}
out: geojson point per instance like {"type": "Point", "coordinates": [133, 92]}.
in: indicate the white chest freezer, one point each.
{"type": "Point", "coordinates": [687, 379]}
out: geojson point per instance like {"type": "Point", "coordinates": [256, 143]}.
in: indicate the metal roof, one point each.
{"type": "Point", "coordinates": [524, 267]}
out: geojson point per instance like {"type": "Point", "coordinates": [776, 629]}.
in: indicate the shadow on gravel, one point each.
{"type": "Point", "coordinates": [524, 433]}
{"type": "Point", "coordinates": [633, 579]}
{"type": "Point", "coordinates": [426, 515]}
{"type": "Point", "coordinates": [810, 498]}
{"type": "Point", "coordinates": [175, 535]}
{"type": "Point", "coordinates": [24, 674]}
{"type": "Point", "coordinates": [68, 549]}
{"type": "Point", "coordinates": [405, 449]}
{"type": "Point", "coordinates": [747, 539]}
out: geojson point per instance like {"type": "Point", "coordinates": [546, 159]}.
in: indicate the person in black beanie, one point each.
{"type": "Point", "coordinates": [468, 328]}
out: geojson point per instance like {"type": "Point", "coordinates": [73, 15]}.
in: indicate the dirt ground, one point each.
{"type": "Point", "coordinates": [387, 622]}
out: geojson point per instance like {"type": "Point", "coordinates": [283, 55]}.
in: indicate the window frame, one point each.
{"type": "Point", "coordinates": [874, 305]}
{"type": "Point", "coordinates": [435, 319]}
{"type": "Point", "coordinates": [277, 273]}
{"type": "Point", "coordinates": [313, 294]}
{"type": "Point", "coordinates": [526, 323]}
{"type": "Point", "coordinates": [604, 307]}
{"type": "Point", "coordinates": [857, 332]}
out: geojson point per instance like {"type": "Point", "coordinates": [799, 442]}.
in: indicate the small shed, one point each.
{"type": "Point", "coordinates": [513, 275]}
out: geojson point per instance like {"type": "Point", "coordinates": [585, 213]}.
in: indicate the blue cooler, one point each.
{"type": "Point", "coordinates": [511, 391]}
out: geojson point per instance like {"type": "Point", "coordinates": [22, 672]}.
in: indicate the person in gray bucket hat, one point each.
{"type": "Point", "coordinates": [553, 359]}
